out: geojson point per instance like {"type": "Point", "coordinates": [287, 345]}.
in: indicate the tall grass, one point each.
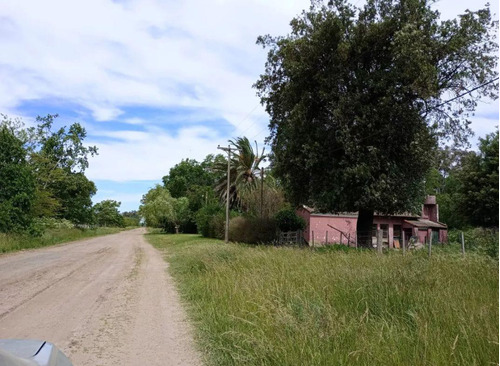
{"type": "Point", "coordinates": [291, 306]}
{"type": "Point", "coordinates": [13, 242]}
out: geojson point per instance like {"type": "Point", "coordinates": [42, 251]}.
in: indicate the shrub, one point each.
{"type": "Point", "coordinates": [477, 239]}
{"type": "Point", "coordinates": [210, 221]}
{"type": "Point", "coordinates": [273, 201]}
{"type": "Point", "coordinates": [217, 226]}
{"type": "Point", "coordinates": [252, 230]}
{"type": "Point", "coordinates": [288, 220]}
{"type": "Point", "coordinates": [130, 221]}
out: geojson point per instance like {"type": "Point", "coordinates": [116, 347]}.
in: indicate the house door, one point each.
{"type": "Point", "coordinates": [435, 236]}
{"type": "Point", "coordinates": [408, 234]}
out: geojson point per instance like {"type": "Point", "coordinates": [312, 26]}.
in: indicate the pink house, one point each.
{"type": "Point", "coordinates": [341, 228]}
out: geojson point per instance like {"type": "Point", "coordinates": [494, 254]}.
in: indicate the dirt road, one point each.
{"type": "Point", "coordinates": [103, 301]}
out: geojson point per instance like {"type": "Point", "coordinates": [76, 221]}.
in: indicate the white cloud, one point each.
{"type": "Point", "coordinates": [103, 55]}
{"type": "Point", "coordinates": [149, 155]}
{"type": "Point", "coordinates": [109, 57]}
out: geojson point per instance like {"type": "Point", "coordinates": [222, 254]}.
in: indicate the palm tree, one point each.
{"type": "Point", "coordinates": [244, 171]}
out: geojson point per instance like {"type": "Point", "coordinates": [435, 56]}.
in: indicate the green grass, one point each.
{"type": "Point", "coordinates": [14, 242]}
{"type": "Point", "coordinates": [256, 305]}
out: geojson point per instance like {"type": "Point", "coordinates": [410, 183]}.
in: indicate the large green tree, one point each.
{"type": "Point", "coordinates": [188, 173]}
{"type": "Point", "coordinates": [160, 209]}
{"type": "Point", "coordinates": [58, 159]}
{"type": "Point", "coordinates": [17, 186]}
{"type": "Point", "coordinates": [193, 180]}
{"type": "Point", "coordinates": [106, 213]}
{"type": "Point", "coordinates": [358, 99]}
{"type": "Point", "coordinates": [477, 196]}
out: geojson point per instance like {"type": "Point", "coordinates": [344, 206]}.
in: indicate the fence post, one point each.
{"type": "Point", "coordinates": [327, 237]}
{"type": "Point", "coordinates": [313, 238]}
{"type": "Point", "coordinates": [356, 243]}
{"type": "Point", "coordinates": [430, 244]}
{"type": "Point", "coordinates": [379, 241]}
{"type": "Point", "coordinates": [463, 244]}
{"type": "Point", "coordinates": [404, 245]}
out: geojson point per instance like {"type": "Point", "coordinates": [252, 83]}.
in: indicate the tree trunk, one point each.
{"type": "Point", "coordinates": [364, 228]}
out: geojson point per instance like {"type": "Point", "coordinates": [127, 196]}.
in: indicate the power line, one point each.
{"type": "Point", "coordinates": [461, 95]}
{"type": "Point", "coordinates": [437, 106]}
{"type": "Point", "coordinates": [247, 115]}
{"type": "Point", "coordinates": [265, 128]}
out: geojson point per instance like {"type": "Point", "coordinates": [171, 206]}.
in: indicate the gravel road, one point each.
{"type": "Point", "coordinates": [103, 301]}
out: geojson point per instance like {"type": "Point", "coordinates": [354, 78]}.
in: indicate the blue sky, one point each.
{"type": "Point", "coordinates": [152, 81]}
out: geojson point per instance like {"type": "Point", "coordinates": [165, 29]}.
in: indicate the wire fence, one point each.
{"type": "Point", "coordinates": [374, 239]}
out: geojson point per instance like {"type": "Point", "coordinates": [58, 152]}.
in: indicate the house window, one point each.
{"type": "Point", "coordinates": [385, 230]}
{"type": "Point", "coordinates": [397, 232]}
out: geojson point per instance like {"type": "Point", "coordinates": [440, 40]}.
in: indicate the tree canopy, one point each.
{"type": "Point", "coordinates": [106, 213]}
{"type": "Point", "coordinates": [16, 182]}
{"type": "Point", "coordinates": [477, 190]}
{"type": "Point", "coordinates": [57, 161]}
{"type": "Point", "coordinates": [160, 209]}
{"type": "Point", "coordinates": [245, 171]}
{"type": "Point", "coordinates": [359, 98]}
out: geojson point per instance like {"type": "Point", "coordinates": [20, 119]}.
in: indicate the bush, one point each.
{"type": "Point", "coordinates": [210, 221]}
{"type": "Point", "coordinates": [288, 220]}
{"type": "Point", "coordinates": [217, 226]}
{"type": "Point", "coordinates": [480, 240]}
{"type": "Point", "coordinates": [130, 221]}
{"type": "Point", "coordinates": [252, 230]}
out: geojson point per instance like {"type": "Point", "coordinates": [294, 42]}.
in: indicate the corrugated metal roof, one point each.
{"type": "Point", "coordinates": [313, 211]}
{"type": "Point", "coordinates": [423, 223]}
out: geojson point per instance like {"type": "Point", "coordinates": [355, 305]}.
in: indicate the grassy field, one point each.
{"type": "Point", "coordinates": [13, 242]}
{"type": "Point", "coordinates": [292, 306]}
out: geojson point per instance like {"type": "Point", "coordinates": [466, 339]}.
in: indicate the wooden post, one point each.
{"type": "Point", "coordinates": [349, 240]}
{"type": "Point", "coordinates": [379, 241]}
{"type": "Point", "coordinates": [326, 238]}
{"type": "Point", "coordinates": [404, 245]}
{"type": "Point", "coordinates": [356, 243]}
{"type": "Point", "coordinates": [430, 244]}
{"type": "Point", "coordinates": [313, 238]}
{"type": "Point", "coordinates": [262, 193]}
{"type": "Point", "coordinates": [463, 244]}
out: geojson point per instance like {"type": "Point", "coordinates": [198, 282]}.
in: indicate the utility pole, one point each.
{"type": "Point", "coordinates": [228, 150]}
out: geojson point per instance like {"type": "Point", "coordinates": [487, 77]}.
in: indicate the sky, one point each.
{"type": "Point", "coordinates": [152, 81]}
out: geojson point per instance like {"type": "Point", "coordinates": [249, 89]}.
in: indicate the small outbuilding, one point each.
{"type": "Point", "coordinates": [340, 228]}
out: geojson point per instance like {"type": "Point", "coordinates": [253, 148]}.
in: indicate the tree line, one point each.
{"type": "Point", "coordinates": [193, 196]}
{"type": "Point", "coordinates": [362, 102]}
{"type": "Point", "coordinates": [466, 184]}
{"type": "Point", "coordinates": [42, 175]}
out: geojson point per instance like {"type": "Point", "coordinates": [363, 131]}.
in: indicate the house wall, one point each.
{"type": "Point", "coordinates": [443, 236]}
{"type": "Point", "coordinates": [319, 226]}
{"type": "Point", "coordinates": [318, 230]}
{"type": "Point", "coordinates": [430, 212]}
{"type": "Point", "coordinates": [423, 235]}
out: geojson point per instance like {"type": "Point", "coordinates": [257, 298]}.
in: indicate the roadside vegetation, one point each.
{"type": "Point", "coordinates": [337, 143]}
{"type": "Point", "coordinates": [45, 197]}
{"type": "Point", "coordinates": [14, 242]}
{"type": "Point", "coordinates": [262, 305]}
